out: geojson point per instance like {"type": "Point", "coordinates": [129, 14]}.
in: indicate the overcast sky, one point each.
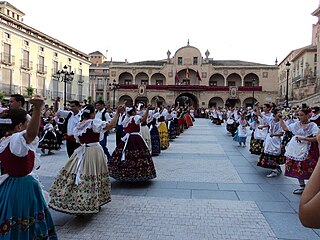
{"type": "Point", "coordinates": [248, 30]}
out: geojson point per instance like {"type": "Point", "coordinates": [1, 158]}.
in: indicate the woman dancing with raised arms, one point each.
{"type": "Point", "coordinates": [24, 213]}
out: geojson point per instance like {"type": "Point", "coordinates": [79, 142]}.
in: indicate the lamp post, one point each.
{"type": "Point", "coordinates": [114, 86]}
{"type": "Point", "coordinates": [287, 88]}
{"type": "Point", "coordinates": [65, 76]}
{"type": "Point", "coordinates": [253, 83]}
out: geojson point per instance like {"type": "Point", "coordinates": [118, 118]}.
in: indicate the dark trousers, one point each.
{"type": "Point", "coordinates": [103, 144]}
{"type": "Point", "coordinates": [119, 134]}
{"type": "Point", "coordinates": [71, 146]}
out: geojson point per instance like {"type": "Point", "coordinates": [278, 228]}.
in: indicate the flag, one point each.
{"type": "Point", "coordinates": [187, 74]}
{"type": "Point", "coordinates": [177, 77]}
{"type": "Point", "coordinates": [198, 76]}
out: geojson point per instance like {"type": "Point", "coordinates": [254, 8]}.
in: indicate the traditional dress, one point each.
{"type": "Point", "coordinates": [155, 139]}
{"type": "Point", "coordinates": [83, 184]}
{"type": "Point", "coordinates": [163, 133]}
{"type": "Point", "coordinates": [258, 137]}
{"type": "Point", "coordinates": [131, 160]}
{"type": "Point", "coordinates": [24, 213]}
{"type": "Point", "coordinates": [241, 134]}
{"type": "Point", "coordinates": [231, 126]}
{"type": "Point", "coordinates": [272, 156]}
{"type": "Point", "coordinates": [49, 139]}
{"type": "Point", "coordinates": [301, 156]}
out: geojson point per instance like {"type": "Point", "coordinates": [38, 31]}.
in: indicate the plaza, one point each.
{"type": "Point", "coordinates": [206, 188]}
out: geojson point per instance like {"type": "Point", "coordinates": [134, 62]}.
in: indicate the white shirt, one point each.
{"type": "Point", "coordinates": [99, 115]}
{"type": "Point", "coordinates": [72, 122]}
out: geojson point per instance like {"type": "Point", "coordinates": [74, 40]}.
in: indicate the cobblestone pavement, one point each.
{"type": "Point", "coordinates": [207, 188]}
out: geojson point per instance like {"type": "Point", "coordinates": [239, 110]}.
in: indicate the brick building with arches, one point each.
{"type": "Point", "coordinates": [186, 76]}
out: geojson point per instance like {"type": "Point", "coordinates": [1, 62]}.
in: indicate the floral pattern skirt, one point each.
{"type": "Point", "coordinates": [303, 169]}
{"type": "Point", "coordinates": [49, 141]}
{"type": "Point", "coordinates": [91, 193]}
{"type": "Point", "coordinates": [270, 161]}
{"type": "Point", "coordinates": [138, 164]}
{"type": "Point", "coordinates": [24, 213]}
{"type": "Point", "coordinates": [256, 146]}
{"type": "Point", "coordinates": [164, 135]}
{"type": "Point", "coordinates": [172, 130]}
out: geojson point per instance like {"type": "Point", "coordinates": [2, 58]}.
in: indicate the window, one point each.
{"type": "Point", "coordinates": [41, 86]}
{"type": "Point", "coordinates": [55, 54]}
{"type": "Point", "coordinates": [7, 35]}
{"type": "Point", "coordinates": [127, 82]}
{"type": "Point", "coordinates": [25, 59]}
{"type": "Point", "coordinates": [69, 89]}
{"type": "Point", "coordinates": [315, 57]}
{"type": "Point", "coordinates": [26, 43]}
{"type": "Point", "coordinates": [80, 87]}
{"type": "Point", "coordinates": [41, 64]}
{"type": "Point", "coordinates": [99, 83]}
{"type": "Point", "coordinates": [69, 59]}
{"type": "Point", "coordinates": [8, 12]}
{"type": "Point", "coordinates": [18, 17]}
{"type": "Point", "coordinates": [195, 60]}
{"type": "Point", "coordinates": [80, 75]}
{"type": "Point", "coordinates": [213, 83]}
{"type": "Point", "coordinates": [41, 49]}
{"type": "Point", "coordinates": [179, 60]}
{"type": "Point", "coordinates": [159, 82]}
{"type": "Point", "coordinates": [248, 84]}
{"type": "Point", "coordinates": [55, 87]}
{"type": "Point", "coordinates": [6, 53]}
{"type": "Point", "coordinates": [315, 71]}
{"type": "Point", "coordinates": [144, 82]}
{"type": "Point", "coordinates": [54, 67]}
{"type": "Point", "coordinates": [13, 15]}
{"type": "Point", "coordinates": [231, 84]}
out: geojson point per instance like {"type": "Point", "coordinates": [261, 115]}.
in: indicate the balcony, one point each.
{"type": "Point", "coordinates": [26, 65]}
{"type": "Point", "coordinates": [7, 59]}
{"type": "Point", "coordinates": [193, 88]}
{"type": "Point", "coordinates": [41, 69]}
{"type": "Point", "coordinates": [9, 89]}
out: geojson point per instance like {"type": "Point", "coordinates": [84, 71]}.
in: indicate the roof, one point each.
{"type": "Point", "coordinates": [95, 53]}
{"type": "Point", "coordinates": [10, 5]}
{"type": "Point", "coordinates": [149, 63]}
{"type": "Point", "coordinates": [233, 63]}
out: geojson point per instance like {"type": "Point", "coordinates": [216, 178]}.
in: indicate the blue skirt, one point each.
{"type": "Point", "coordinates": [239, 139]}
{"type": "Point", "coordinates": [23, 211]}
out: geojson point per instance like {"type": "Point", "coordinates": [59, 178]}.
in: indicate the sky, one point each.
{"type": "Point", "coordinates": [249, 30]}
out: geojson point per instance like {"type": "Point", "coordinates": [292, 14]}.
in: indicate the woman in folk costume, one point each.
{"type": "Point", "coordinates": [49, 139]}
{"type": "Point", "coordinates": [170, 124]}
{"type": "Point", "coordinates": [144, 129]}
{"type": "Point", "coordinates": [188, 119]}
{"type": "Point", "coordinates": [241, 134]}
{"type": "Point", "coordinates": [260, 125]}
{"type": "Point", "coordinates": [272, 154]}
{"type": "Point", "coordinates": [155, 138]}
{"type": "Point", "coordinates": [83, 184]}
{"type": "Point", "coordinates": [24, 213]}
{"type": "Point", "coordinates": [163, 130]}
{"type": "Point", "coordinates": [301, 151]}
{"type": "Point", "coordinates": [131, 160]}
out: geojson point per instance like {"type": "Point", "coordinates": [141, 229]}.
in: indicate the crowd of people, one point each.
{"type": "Point", "coordinates": [82, 185]}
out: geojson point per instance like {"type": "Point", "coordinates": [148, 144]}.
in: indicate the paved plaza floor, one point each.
{"type": "Point", "coordinates": [207, 187]}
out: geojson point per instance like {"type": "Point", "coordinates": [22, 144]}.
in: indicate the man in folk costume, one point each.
{"type": "Point", "coordinates": [102, 114]}
{"type": "Point", "coordinates": [71, 119]}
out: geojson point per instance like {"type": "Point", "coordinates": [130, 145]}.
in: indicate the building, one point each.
{"type": "Point", "coordinates": [301, 75]}
{"type": "Point", "coordinates": [189, 77]}
{"type": "Point", "coordinates": [30, 60]}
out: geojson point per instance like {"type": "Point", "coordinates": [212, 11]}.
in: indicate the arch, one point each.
{"type": "Point", "coordinates": [216, 102]}
{"type": "Point", "coordinates": [248, 80]}
{"type": "Point", "coordinates": [126, 78]}
{"type": "Point", "coordinates": [142, 79]}
{"type": "Point", "coordinates": [248, 102]}
{"type": "Point", "coordinates": [234, 79]}
{"type": "Point", "coordinates": [216, 80]}
{"type": "Point", "coordinates": [233, 102]}
{"type": "Point", "coordinates": [189, 98]}
{"type": "Point", "coordinates": [160, 101]}
{"type": "Point", "coordinates": [188, 76]}
{"type": "Point", "coordinates": [125, 98]}
{"type": "Point", "coordinates": [158, 79]}
{"type": "Point", "coordinates": [143, 99]}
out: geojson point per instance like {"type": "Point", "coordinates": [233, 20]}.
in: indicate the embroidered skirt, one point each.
{"type": "Point", "coordinates": [256, 146]}
{"type": "Point", "coordinates": [303, 169]}
{"type": "Point", "coordinates": [164, 135]}
{"type": "Point", "coordinates": [24, 213]}
{"type": "Point", "coordinates": [155, 141]}
{"type": "Point", "coordinates": [91, 193]}
{"type": "Point", "coordinates": [138, 164]}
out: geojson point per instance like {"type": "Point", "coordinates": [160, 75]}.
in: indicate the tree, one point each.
{"type": "Point", "coordinates": [30, 91]}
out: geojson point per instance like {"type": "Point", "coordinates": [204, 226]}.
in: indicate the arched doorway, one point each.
{"type": "Point", "coordinates": [145, 100]}
{"type": "Point", "coordinates": [248, 102]}
{"type": "Point", "coordinates": [216, 102]}
{"type": "Point", "coordinates": [233, 102]}
{"type": "Point", "coordinates": [160, 101]}
{"type": "Point", "coordinates": [126, 98]}
{"type": "Point", "coordinates": [187, 98]}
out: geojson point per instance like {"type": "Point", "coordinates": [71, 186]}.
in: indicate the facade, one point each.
{"type": "Point", "coordinates": [30, 60]}
{"type": "Point", "coordinates": [189, 77]}
{"type": "Point", "coordinates": [302, 77]}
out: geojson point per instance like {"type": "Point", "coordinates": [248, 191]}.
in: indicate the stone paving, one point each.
{"type": "Point", "coordinates": [207, 188]}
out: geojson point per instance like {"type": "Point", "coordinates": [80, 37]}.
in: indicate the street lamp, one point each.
{"type": "Point", "coordinates": [65, 76]}
{"type": "Point", "coordinates": [253, 83]}
{"type": "Point", "coordinates": [114, 86]}
{"type": "Point", "coordinates": [287, 88]}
